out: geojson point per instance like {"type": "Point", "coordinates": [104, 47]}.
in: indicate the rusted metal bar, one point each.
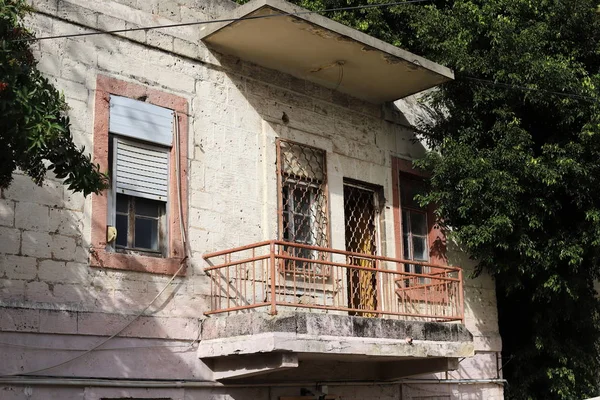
{"type": "Point", "coordinates": [426, 285]}
{"type": "Point", "coordinates": [435, 297]}
{"type": "Point", "coordinates": [228, 281]}
{"type": "Point", "coordinates": [254, 275]}
{"type": "Point", "coordinates": [273, 277]}
{"type": "Point", "coordinates": [233, 263]}
{"type": "Point", "coordinates": [358, 267]}
{"type": "Point", "coordinates": [236, 249]}
{"type": "Point", "coordinates": [450, 318]}
{"type": "Point", "coordinates": [325, 262]}
{"type": "Point", "coordinates": [365, 256]}
{"type": "Point", "coordinates": [238, 308]}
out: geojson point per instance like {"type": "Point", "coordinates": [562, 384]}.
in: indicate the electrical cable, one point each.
{"type": "Point", "coordinates": [525, 88]}
{"type": "Point", "coordinates": [178, 181]}
{"type": "Point", "coordinates": [510, 86]}
{"type": "Point", "coordinates": [215, 21]}
{"type": "Point", "coordinates": [26, 346]}
{"type": "Point", "coordinates": [86, 352]}
{"type": "Point", "coordinates": [367, 6]}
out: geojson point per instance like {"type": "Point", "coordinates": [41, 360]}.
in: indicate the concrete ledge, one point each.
{"type": "Point", "coordinates": [319, 324]}
{"type": "Point", "coordinates": [333, 336]}
{"type": "Point", "coordinates": [96, 324]}
{"type": "Point", "coordinates": [332, 346]}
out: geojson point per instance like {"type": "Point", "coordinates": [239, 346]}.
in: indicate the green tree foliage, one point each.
{"type": "Point", "coordinates": [516, 167]}
{"type": "Point", "coordinates": [34, 128]}
{"type": "Point", "coordinates": [516, 176]}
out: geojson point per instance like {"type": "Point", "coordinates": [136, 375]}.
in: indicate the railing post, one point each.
{"type": "Point", "coordinates": [273, 276]}
{"type": "Point", "coordinates": [461, 296]}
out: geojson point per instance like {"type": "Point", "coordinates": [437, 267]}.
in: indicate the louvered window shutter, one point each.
{"type": "Point", "coordinates": [139, 120]}
{"type": "Point", "coordinates": [141, 170]}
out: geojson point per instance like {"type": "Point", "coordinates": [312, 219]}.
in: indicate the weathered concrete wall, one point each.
{"type": "Point", "coordinates": [371, 392]}
{"type": "Point", "coordinates": [47, 288]}
{"type": "Point", "coordinates": [349, 392]}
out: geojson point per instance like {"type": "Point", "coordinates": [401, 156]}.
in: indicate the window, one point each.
{"type": "Point", "coordinates": [139, 223]}
{"type": "Point", "coordinates": [299, 215]}
{"type": "Point", "coordinates": [418, 236]}
{"type": "Point", "coordinates": [303, 203]}
{"type": "Point", "coordinates": [415, 229]}
{"type": "Point", "coordinates": [140, 136]}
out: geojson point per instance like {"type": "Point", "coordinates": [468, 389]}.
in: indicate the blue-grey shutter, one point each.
{"type": "Point", "coordinates": [139, 120]}
{"type": "Point", "coordinates": [141, 170]}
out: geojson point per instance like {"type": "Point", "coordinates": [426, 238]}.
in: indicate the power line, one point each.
{"type": "Point", "coordinates": [525, 88]}
{"type": "Point", "coordinates": [367, 6]}
{"type": "Point", "coordinates": [33, 347]}
{"type": "Point", "coordinates": [215, 21]}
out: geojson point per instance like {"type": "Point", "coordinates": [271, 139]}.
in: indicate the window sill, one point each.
{"type": "Point", "coordinates": [101, 258]}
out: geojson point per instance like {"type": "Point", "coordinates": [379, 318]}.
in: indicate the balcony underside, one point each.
{"type": "Point", "coordinates": [301, 346]}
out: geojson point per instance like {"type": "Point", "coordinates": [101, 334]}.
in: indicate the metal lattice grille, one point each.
{"type": "Point", "coordinates": [303, 215]}
{"type": "Point", "coordinates": [361, 227]}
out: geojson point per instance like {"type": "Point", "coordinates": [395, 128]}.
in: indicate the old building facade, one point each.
{"type": "Point", "coordinates": [253, 242]}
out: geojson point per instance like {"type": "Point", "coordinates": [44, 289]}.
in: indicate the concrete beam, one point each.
{"type": "Point", "coordinates": [407, 368]}
{"type": "Point", "coordinates": [338, 347]}
{"type": "Point", "coordinates": [321, 324]}
{"type": "Point", "coordinates": [319, 369]}
{"type": "Point", "coordinates": [236, 367]}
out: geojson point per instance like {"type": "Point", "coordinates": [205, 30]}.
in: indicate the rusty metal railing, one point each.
{"type": "Point", "coordinates": [265, 275]}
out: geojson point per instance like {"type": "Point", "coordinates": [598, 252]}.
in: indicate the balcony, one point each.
{"type": "Point", "coordinates": [281, 305]}
{"type": "Point", "coordinates": [278, 275]}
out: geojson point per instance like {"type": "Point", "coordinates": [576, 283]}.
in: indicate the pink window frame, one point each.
{"type": "Point", "coordinates": [99, 256]}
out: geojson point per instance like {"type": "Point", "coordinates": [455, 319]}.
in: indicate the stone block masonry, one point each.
{"type": "Point", "coordinates": [49, 294]}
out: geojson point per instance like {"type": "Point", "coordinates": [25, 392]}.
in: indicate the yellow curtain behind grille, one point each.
{"type": "Point", "coordinates": [366, 279]}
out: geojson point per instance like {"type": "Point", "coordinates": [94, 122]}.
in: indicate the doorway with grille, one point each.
{"type": "Point", "coordinates": [361, 214]}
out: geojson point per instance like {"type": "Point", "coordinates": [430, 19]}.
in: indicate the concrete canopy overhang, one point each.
{"type": "Point", "coordinates": [315, 48]}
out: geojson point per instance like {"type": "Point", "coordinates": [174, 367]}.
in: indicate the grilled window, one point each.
{"type": "Point", "coordinates": [140, 140]}
{"type": "Point", "coordinates": [303, 203]}
{"type": "Point", "coordinates": [414, 225]}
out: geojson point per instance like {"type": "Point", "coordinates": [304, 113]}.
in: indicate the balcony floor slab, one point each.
{"type": "Point", "coordinates": [332, 338]}
{"type": "Point", "coordinates": [332, 347]}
